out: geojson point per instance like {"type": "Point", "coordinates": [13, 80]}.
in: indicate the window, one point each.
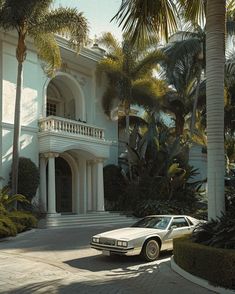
{"type": "Point", "coordinates": [51, 108]}
{"type": "Point", "coordinates": [179, 222]}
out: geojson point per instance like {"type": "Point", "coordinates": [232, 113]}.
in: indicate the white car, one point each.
{"type": "Point", "coordinates": [147, 237]}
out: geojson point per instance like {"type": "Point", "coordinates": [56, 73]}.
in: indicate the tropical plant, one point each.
{"type": "Point", "coordinates": [159, 167]}
{"type": "Point", "coordinates": [114, 185]}
{"type": "Point", "coordinates": [139, 22]}
{"type": "Point", "coordinates": [129, 73]}
{"type": "Point", "coordinates": [36, 19]}
{"type": "Point", "coordinates": [28, 178]}
{"type": "Point", "coordinates": [7, 201]}
{"type": "Point", "coordinates": [12, 221]}
{"type": "Point", "coordinates": [184, 84]}
{"type": "Point", "coordinates": [218, 233]}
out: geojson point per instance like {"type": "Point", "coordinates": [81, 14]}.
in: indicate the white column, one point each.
{"type": "Point", "coordinates": [83, 190]}
{"type": "Point", "coordinates": [43, 183]}
{"type": "Point", "coordinates": [94, 186]}
{"type": "Point", "coordinates": [77, 192]}
{"type": "Point", "coordinates": [100, 185]}
{"type": "Point", "coordinates": [89, 185]}
{"type": "Point", "coordinates": [51, 183]}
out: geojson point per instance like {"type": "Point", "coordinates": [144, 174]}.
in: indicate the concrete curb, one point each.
{"type": "Point", "coordinates": [199, 281]}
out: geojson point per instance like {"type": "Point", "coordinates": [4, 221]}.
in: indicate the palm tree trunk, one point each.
{"type": "Point", "coordinates": [16, 147]}
{"type": "Point", "coordinates": [193, 118]}
{"type": "Point", "coordinates": [127, 130]}
{"type": "Point", "coordinates": [215, 58]}
{"type": "Point", "coordinates": [179, 124]}
{"type": "Point", "coordinates": [20, 55]}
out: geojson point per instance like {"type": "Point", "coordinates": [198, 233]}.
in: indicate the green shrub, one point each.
{"type": "Point", "coordinates": [148, 207]}
{"type": "Point", "coordinates": [212, 264]}
{"type": "Point", "coordinates": [7, 227]}
{"type": "Point", "coordinates": [28, 178]}
{"type": "Point", "coordinates": [23, 220]}
{"type": "Point", "coordinates": [113, 186]}
{"type": "Point", "coordinates": [218, 233]}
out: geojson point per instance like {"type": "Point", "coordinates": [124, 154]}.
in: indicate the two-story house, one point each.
{"type": "Point", "coordinates": [64, 130]}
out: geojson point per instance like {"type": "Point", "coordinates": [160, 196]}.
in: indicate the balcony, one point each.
{"type": "Point", "coordinates": [65, 126]}
{"type": "Point", "coordinates": [58, 134]}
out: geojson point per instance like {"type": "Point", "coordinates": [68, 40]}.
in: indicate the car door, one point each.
{"type": "Point", "coordinates": [178, 227]}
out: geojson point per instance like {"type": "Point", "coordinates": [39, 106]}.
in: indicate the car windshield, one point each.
{"type": "Point", "coordinates": [154, 222]}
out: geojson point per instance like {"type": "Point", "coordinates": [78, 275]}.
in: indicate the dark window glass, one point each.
{"type": "Point", "coordinates": [179, 222]}
{"type": "Point", "coordinates": [153, 222]}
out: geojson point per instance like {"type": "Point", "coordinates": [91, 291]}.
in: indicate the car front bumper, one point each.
{"type": "Point", "coordinates": [115, 250]}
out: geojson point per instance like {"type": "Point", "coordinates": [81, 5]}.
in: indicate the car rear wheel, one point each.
{"type": "Point", "coordinates": [150, 250]}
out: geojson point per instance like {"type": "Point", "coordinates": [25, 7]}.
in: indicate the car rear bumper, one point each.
{"type": "Point", "coordinates": [115, 250]}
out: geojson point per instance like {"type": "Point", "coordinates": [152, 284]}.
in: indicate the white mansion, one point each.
{"type": "Point", "coordinates": [63, 128]}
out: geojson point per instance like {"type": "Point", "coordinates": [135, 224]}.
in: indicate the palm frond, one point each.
{"type": "Point", "coordinates": [111, 68]}
{"type": "Point", "coordinates": [110, 43]}
{"type": "Point", "coordinates": [146, 64]}
{"type": "Point", "coordinates": [144, 20]}
{"type": "Point", "coordinates": [64, 20]}
{"type": "Point", "coordinates": [48, 51]}
{"type": "Point", "coordinates": [148, 92]}
{"type": "Point", "coordinates": [194, 10]}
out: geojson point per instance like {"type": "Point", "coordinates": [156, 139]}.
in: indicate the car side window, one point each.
{"type": "Point", "coordinates": [190, 222]}
{"type": "Point", "coordinates": [179, 222]}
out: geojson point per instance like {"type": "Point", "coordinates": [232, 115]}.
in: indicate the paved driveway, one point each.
{"type": "Point", "coordinates": [60, 261]}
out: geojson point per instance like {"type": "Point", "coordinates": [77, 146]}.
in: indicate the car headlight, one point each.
{"type": "Point", "coordinates": [95, 240]}
{"type": "Point", "coordinates": [122, 243]}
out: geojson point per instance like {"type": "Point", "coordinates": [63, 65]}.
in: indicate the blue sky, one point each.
{"type": "Point", "coordinates": [98, 14]}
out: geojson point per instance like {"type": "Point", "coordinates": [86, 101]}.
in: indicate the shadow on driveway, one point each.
{"type": "Point", "coordinates": [99, 262]}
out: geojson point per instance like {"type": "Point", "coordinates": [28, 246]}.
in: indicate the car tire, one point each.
{"type": "Point", "coordinates": [150, 250]}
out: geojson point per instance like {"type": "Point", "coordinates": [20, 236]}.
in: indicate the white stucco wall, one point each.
{"type": "Point", "coordinates": [80, 68]}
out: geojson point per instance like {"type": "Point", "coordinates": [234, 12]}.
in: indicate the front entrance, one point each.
{"type": "Point", "coordinates": [63, 182]}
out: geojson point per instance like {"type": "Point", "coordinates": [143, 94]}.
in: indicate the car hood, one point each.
{"type": "Point", "coordinates": [129, 233]}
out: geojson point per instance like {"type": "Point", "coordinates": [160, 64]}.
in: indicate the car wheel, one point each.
{"type": "Point", "coordinates": [150, 250]}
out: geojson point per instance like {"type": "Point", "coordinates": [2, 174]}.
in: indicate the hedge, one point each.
{"type": "Point", "coordinates": [23, 220]}
{"type": "Point", "coordinates": [212, 264]}
{"type": "Point", "coordinates": [7, 227]}
{"type": "Point", "coordinates": [16, 222]}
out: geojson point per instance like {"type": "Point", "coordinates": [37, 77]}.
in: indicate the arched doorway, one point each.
{"type": "Point", "coordinates": [63, 185]}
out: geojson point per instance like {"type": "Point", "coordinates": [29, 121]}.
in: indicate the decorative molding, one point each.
{"type": "Point", "coordinates": [51, 154]}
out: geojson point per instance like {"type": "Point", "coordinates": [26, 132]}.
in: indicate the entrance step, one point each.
{"type": "Point", "coordinates": [85, 220]}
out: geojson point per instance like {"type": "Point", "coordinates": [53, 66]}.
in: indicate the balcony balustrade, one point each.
{"type": "Point", "coordinates": [70, 127]}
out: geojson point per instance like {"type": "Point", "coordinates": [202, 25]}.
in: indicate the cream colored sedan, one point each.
{"type": "Point", "coordinates": [147, 237]}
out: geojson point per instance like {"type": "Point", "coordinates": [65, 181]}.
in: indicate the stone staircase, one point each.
{"type": "Point", "coordinates": [86, 220]}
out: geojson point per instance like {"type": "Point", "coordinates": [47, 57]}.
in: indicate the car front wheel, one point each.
{"type": "Point", "coordinates": [150, 250]}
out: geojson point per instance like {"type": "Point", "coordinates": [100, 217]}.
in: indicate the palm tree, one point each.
{"type": "Point", "coordinates": [192, 42]}
{"type": "Point", "coordinates": [189, 44]}
{"type": "Point", "coordinates": [137, 22]}
{"type": "Point", "coordinates": [182, 78]}
{"type": "Point", "coordinates": [130, 78]}
{"type": "Point", "coordinates": [36, 20]}
{"type": "Point", "coordinates": [215, 60]}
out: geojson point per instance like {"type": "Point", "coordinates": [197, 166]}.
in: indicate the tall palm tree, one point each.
{"type": "Point", "coordinates": [36, 19]}
{"type": "Point", "coordinates": [130, 14]}
{"type": "Point", "coordinates": [129, 73]}
{"type": "Point", "coordinates": [215, 60]}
